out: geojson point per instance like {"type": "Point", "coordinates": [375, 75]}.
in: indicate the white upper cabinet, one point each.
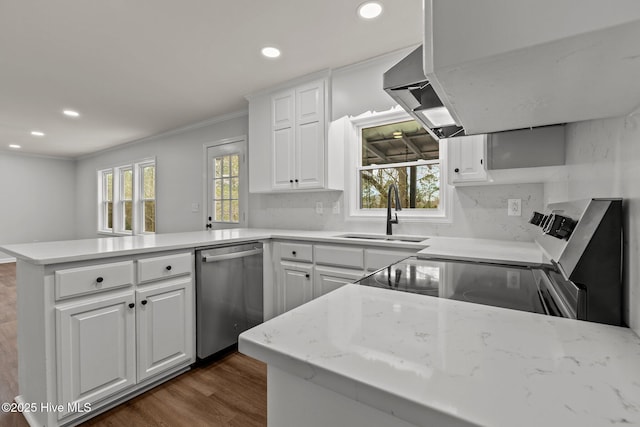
{"type": "Point", "coordinates": [467, 159]}
{"type": "Point", "coordinates": [519, 64]}
{"type": "Point", "coordinates": [288, 143]}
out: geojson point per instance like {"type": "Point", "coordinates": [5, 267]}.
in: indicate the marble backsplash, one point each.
{"type": "Point", "coordinates": [478, 211]}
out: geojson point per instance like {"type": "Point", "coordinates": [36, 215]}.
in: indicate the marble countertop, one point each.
{"type": "Point", "coordinates": [85, 249]}
{"type": "Point", "coordinates": [430, 247]}
{"type": "Point", "coordinates": [488, 250]}
{"type": "Point", "coordinates": [412, 355]}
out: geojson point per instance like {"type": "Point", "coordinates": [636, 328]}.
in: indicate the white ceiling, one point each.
{"type": "Point", "coordinates": [139, 68]}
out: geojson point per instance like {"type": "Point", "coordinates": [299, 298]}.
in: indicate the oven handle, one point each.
{"type": "Point", "coordinates": [233, 255]}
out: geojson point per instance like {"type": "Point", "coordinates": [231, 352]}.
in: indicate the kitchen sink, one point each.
{"type": "Point", "coordinates": [384, 237]}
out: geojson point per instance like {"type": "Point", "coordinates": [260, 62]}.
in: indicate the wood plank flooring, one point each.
{"type": "Point", "coordinates": [231, 391]}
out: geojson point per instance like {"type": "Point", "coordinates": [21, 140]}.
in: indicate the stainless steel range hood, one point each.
{"type": "Point", "coordinates": [406, 83]}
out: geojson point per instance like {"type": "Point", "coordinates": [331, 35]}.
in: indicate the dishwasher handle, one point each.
{"type": "Point", "coordinates": [233, 255]}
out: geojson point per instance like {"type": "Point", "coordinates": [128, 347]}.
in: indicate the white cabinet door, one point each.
{"type": "Point", "coordinates": [310, 103]}
{"type": "Point", "coordinates": [298, 137]}
{"type": "Point", "coordinates": [283, 169]}
{"type": "Point", "coordinates": [96, 348]}
{"type": "Point", "coordinates": [283, 140]}
{"type": "Point", "coordinates": [296, 285]}
{"type": "Point", "coordinates": [309, 155]}
{"type": "Point", "coordinates": [164, 326]}
{"type": "Point", "coordinates": [282, 106]}
{"type": "Point", "coordinates": [327, 279]}
{"type": "Point", "coordinates": [467, 158]}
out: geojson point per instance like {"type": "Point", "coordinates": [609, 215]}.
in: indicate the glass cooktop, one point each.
{"type": "Point", "coordinates": [490, 284]}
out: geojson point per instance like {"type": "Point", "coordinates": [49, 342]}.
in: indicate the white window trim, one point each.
{"type": "Point", "coordinates": [138, 195]}
{"type": "Point", "coordinates": [118, 219]}
{"type": "Point", "coordinates": [354, 166]}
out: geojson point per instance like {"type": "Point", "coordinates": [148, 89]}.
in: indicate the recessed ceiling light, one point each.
{"type": "Point", "coordinates": [14, 146]}
{"type": "Point", "coordinates": [370, 10]}
{"type": "Point", "coordinates": [37, 133]}
{"type": "Point", "coordinates": [71, 113]}
{"type": "Point", "coordinates": [270, 52]}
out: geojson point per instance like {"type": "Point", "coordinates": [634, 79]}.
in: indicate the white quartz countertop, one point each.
{"type": "Point", "coordinates": [488, 250]}
{"type": "Point", "coordinates": [85, 249]}
{"type": "Point", "coordinates": [413, 355]}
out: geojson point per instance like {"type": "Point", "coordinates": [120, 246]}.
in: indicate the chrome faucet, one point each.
{"type": "Point", "coordinates": [398, 208]}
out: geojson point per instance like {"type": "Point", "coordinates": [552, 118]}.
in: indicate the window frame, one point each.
{"type": "Point", "coordinates": [371, 119]}
{"type": "Point", "coordinates": [118, 212]}
{"type": "Point", "coordinates": [139, 199]}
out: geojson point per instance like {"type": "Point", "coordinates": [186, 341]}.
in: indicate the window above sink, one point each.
{"type": "Point", "coordinates": [391, 148]}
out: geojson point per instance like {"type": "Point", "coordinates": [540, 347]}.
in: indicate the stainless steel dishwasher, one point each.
{"type": "Point", "coordinates": [229, 294]}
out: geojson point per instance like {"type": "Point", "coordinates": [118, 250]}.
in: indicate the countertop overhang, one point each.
{"type": "Point", "coordinates": [414, 356]}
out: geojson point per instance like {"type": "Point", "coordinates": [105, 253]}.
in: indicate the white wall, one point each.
{"type": "Point", "coordinates": [37, 199]}
{"type": "Point", "coordinates": [477, 211]}
{"type": "Point", "coordinates": [603, 160]}
{"type": "Point", "coordinates": [178, 177]}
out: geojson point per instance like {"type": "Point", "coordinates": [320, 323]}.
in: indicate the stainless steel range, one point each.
{"type": "Point", "coordinates": [583, 280]}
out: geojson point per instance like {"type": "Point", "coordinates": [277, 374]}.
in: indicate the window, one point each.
{"type": "Point", "coordinates": [225, 183]}
{"type": "Point", "coordinates": [127, 199]}
{"type": "Point", "coordinates": [392, 148]}
{"type": "Point", "coordinates": [148, 196]}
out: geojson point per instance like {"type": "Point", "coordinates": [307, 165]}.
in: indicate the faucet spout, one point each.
{"type": "Point", "coordinates": [390, 221]}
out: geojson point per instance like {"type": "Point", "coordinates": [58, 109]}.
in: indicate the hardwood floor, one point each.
{"type": "Point", "coordinates": [231, 391]}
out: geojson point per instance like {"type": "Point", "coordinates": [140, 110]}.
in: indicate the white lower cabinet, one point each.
{"type": "Point", "coordinates": [111, 342]}
{"type": "Point", "coordinates": [96, 349]}
{"type": "Point", "coordinates": [327, 279]}
{"type": "Point", "coordinates": [296, 285]}
{"type": "Point", "coordinates": [164, 327]}
{"type": "Point", "coordinates": [305, 270]}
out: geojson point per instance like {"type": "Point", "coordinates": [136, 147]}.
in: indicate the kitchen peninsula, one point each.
{"type": "Point", "coordinates": [408, 358]}
{"type": "Point", "coordinates": [363, 356]}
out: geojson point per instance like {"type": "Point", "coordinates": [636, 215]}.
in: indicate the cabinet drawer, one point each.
{"type": "Point", "coordinates": [296, 252]}
{"type": "Point", "coordinates": [340, 256]}
{"type": "Point", "coordinates": [378, 258]}
{"type": "Point", "coordinates": [93, 278]}
{"type": "Point", "coordinates": [163, 267]}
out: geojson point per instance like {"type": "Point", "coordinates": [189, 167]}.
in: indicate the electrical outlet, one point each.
{"type": "Point", "coordinates": [319, 208]}
{"type": "Point", "coordinates": [514, 207]}
{"type": "Point", "coordinates": [336, 207]}
{"type": "Point", "coordinates": [195, 207]}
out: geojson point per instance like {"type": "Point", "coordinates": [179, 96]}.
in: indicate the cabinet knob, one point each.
{"type": "Point", "coordinates": [131, 305]}
{"type": "Point", "coordinates": [293, 253]}
{"type": "Point", "coordinates": [168, 267]}
{"type": "Point", "coordinates": [291, 181]}
{"type": "Point", "coordinates": [99, 280]}
{"type": "Point", "coordinates": [296, 180]}
{"type": "Point", "coordinates": [143, 302]}
{"type": "Point", "coordinates": [456, 170]}
{"type": "Point", "coordinates": [306, 275]}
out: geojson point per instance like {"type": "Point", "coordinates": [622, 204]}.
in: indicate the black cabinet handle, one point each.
{"type": "Point", "coordinates": [143, 302]}
{"type": "Point", "coordinates": [306, 275]}
{"type": "Point", "coordinates": [291, 181]}
{"type": "Point", "coordinates": [168, 267]}
{"type": "Point", "coordinates": [99, 279]}
{"type": "Point", "coordinates": [296, 180]}
{"type": "Point", "coordinates": [131, 305]}
{"type": "Point", "coordinates": [456, 170]}
{"type": "Point", "coordinates": [293, 253]}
